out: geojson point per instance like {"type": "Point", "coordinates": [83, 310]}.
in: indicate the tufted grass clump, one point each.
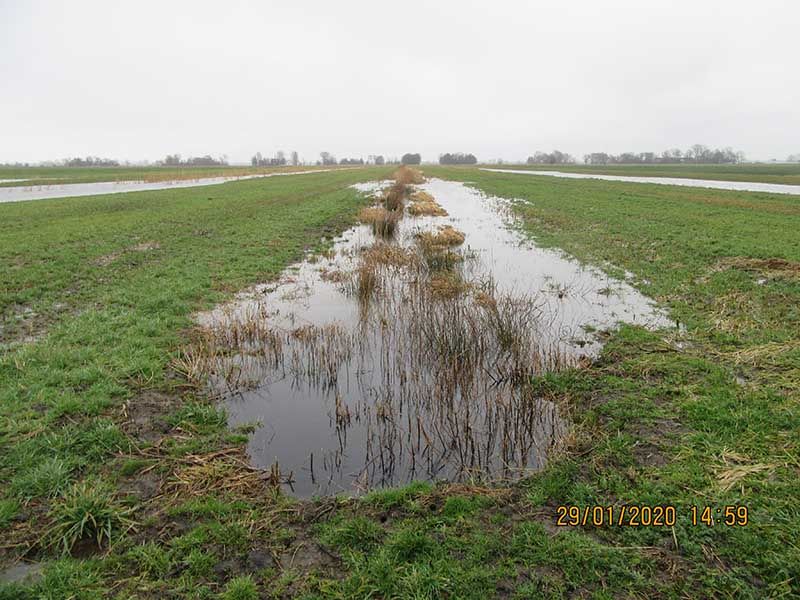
{"type": "Point", "coordinates": [88, 510]}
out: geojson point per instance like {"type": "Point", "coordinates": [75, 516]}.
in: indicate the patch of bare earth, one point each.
{"type": "Point", "coordinates": [769, 268]}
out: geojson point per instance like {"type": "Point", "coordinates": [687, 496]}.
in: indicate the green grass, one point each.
{"type": "Point", "coordinates": [766, 173]}
{"type": "Point", "coordinates": [88, 511]}
{"type": "Point", "coordinates": [667, 417]}
{"type": "Point", "coordinates": [108, 318]}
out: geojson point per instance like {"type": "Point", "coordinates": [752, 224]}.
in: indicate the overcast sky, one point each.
{"type": "Point", "coordinates": [137, 80]}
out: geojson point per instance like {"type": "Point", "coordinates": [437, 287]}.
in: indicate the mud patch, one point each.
{"type": "Point", "coordinates": [145, 415]}
{"type": "Point", "coordinates": [770, 268]}
{"type": "Point", "coordinates": [654, 441]}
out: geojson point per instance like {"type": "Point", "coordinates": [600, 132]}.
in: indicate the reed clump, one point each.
{"type": "Point", "coordinates": [408, 175]}
{"type": "Point", "coordinates": [437, 258]}
{"type": "Point", "coordinates": [423, 204]}
{"type": "Point", "coordinates": [446, 236]}
{"type": "Point", "coordinates": [333, 275]}
{"type": "Point", "coordinates": [422, 196]}
{"type": "Point", "coordinates": [367, 281]}
{"type": "Point", "coordinates": [384, 222]}
{"type": "Point", "coordinates": [393, 200]}
{"type": "Point", "coordinates": [447, 285]}
{"type": "Point", "coordinates": [392, 255]}
{"type": "Point", "coordinates": [386, 225]}
{"type": "Point", "coordinates": [370, 214]}
{"type": "Point", "coordinates": [433, 370]}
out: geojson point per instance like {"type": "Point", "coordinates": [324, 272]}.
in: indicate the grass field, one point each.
{"type": "Point", "coordinates": [60, 175]}
{"type": "Point", "coordinates": [101, 439]}
{"type": "Point", "coordinates": [766, 173]}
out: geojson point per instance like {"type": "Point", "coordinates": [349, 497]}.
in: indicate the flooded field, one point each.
{"type": "Point", "coordinates": [400, 354]}
{"type": "Point", "coordinates": [67, 190]}
{"type": "Point", "coordinates": [742, 186]}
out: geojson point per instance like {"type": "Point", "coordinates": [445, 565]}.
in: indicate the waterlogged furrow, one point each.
{"type": "Point", "coordinates": [68, 190]}
{"type": "Point", "coordinates": [404, 352]}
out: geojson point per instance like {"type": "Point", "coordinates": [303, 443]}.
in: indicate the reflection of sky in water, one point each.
{"type": "Point", "coordinates": [298, 420]}
{"type": "Point", "coordinates": [740, 186]}
{"type": "Point", "coordinates": [69, 190]}
{"type": "Point", "coordinates": [572, 295]}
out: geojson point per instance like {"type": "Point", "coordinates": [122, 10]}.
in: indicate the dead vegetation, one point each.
{"type": "Point", "coordinates": [770, 268]}
{"type": "Point", "coordinates": [408, 175]}
{"type": "Point", "coordinates": [383, 221]}
{"type": "Point", "coordinates": [423, 204]}
{"type": "Point", "coordinates": [393, 255]}
{"type": "Point", "coordinates": [394, 197]}
{"type": "Point", "coordinates": [431, 374]}
{"type": "Point", "coordinates": [224, 471]}
{"type": "Point", "coordinates": [447, 285]}
{"type": "Point", "coordinates": [447, 399]}
{"type": "Point", "coordinates": [367, 281]}
{"type": "Point", "coordinates": [370, 214]}
{"type": "Point", "coordinates": [444, 237]}
{"type": "Point", "coordinates": [734, 467]}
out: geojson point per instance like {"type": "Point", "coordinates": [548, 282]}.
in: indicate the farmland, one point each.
{"type": "Point", "coordinates": [96, 418]}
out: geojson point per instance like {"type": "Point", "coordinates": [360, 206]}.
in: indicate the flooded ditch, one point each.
{"type": "Point", "coordinates": [23, 192]}
{"type": "Point", "coordinates": [717, 184]}
{"type": "Point", "coordinates": [402, 353]}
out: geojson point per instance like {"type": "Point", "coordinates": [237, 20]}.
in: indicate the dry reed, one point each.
{"type": "Point", "coordinates": [408, 175]}
{"type": "Point", "coordinates": [445, 236]}
{"type": "Point", "coordinates": [423, 204]}
{"type": "Point", "coordinates": [434, 376]}
{"type": "Point", "coordinates": [393, 199]}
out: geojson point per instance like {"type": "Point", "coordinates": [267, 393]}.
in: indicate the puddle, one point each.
{"type": "Point", "coordinates": [741, 186]}
{"type": "Point", "coordinates": [381, 364]}
{"type": "Point", "coordinates": [68, 190]}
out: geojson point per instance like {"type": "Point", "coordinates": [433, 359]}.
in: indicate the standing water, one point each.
{"type": "Point", "coordinates": [717, 184]}
{"type": "Point", "coordinates": [20, 193]}
{"type": "Point", "coordinates": [392, 358]}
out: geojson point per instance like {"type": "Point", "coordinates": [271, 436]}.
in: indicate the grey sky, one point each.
{"type": "Point", "coordinates": [138, 80]}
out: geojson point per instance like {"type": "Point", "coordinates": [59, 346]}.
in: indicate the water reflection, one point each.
{"type": "Point", "coordinates": [69, 190]}
{"type": "Point", "coordinates": [358, 386]}
{"type": "Point", "coordinates": [742, 186]}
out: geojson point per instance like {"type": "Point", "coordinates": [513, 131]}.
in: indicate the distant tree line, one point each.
{"type": "Point", "coordinates": [411, 159]}
{"type": "Point", "coordinates": [260, 160]}
{"type": "Point", "coordinates": [556, 157]}
{"type": "Point", "coordinates": [697, 154]}
{"type": "Point", "coordinates": [793, 158]}
{"type": "Point", "coordinates": [90, 161]}
{"type": "Point", "coordinates": [326, 158]}
{"type": "Point", "coordinates": [175, 160]}
{"type": "Point", "coordinates": [457, 158]}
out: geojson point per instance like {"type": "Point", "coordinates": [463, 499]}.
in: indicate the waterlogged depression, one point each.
{"type": "Point", "coordinates": [23, 192]}
{"type": "Point", "coordinates": [392, 359]}
{"type": "Point", "coordinates": [739, 186]}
